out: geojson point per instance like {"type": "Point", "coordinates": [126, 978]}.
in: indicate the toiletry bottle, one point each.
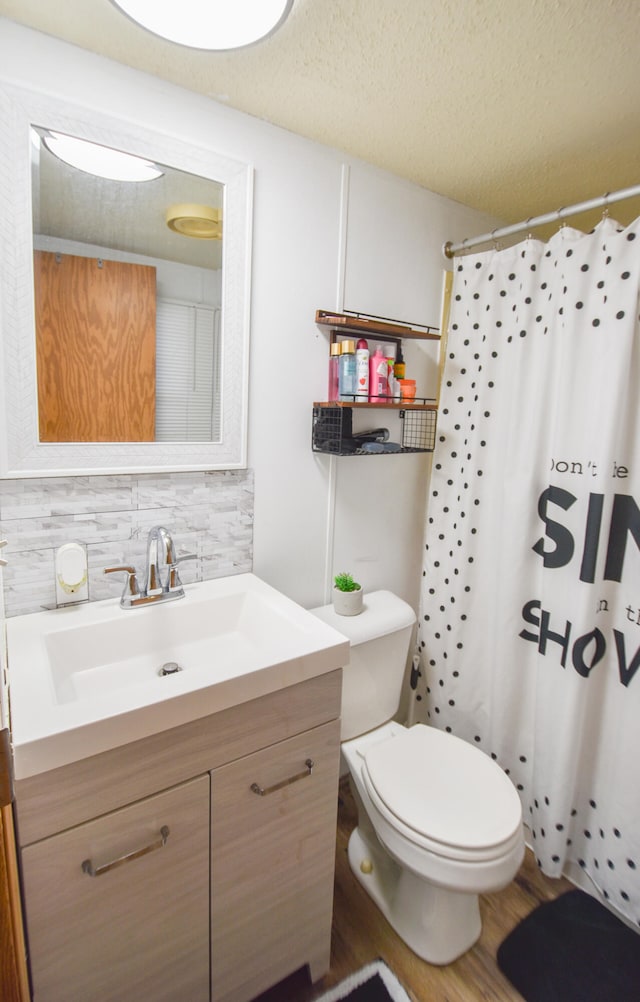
{"type": "Point", "coordinates": [389, 351]}
{"type": "Point", "coordinates": [362, 369]}
{"type": "Point", "coordinates": [378, 369]}
{"type": "Point", "coordinates": [334, 367]}
{"type": "Point", "coordinates": [399, 369]}
{"type": "Point", "coordinates": [347, 372]}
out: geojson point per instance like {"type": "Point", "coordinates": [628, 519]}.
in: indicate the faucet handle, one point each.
{"type": "Point", "coordinates": [131, 587]}
{"type": "Point", "coordinates": [173, 581]}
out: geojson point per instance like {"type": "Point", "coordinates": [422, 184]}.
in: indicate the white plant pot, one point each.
{"type": "Point", "coordinates": [347, 603]}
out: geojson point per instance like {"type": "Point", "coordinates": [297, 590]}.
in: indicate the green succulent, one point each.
{"type": "Point", "coordinates": [345, 582]}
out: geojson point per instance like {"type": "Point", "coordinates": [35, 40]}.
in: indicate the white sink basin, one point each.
{"type": "Point", "coordinates": [88, 678]}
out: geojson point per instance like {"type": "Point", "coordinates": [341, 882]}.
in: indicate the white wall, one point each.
{"type": "Point", "coordinates": [313, 515]}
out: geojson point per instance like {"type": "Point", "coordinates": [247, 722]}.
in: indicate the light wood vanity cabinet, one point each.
{"type": "Point", "coordinates": [240, 893]}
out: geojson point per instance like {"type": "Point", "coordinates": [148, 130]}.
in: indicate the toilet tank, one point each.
{"type": "Point", "coordinates": [372, 680]}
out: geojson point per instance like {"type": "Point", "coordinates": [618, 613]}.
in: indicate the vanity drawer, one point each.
{"type": "Point", "coordinates": [138, 930]}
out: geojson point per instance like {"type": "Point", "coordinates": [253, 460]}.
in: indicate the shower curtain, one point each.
{"type": "Point", "coordinates": [529, 634]}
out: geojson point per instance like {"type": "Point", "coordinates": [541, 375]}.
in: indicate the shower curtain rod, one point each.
{"type": "Point", "coordinates": [450, 249]}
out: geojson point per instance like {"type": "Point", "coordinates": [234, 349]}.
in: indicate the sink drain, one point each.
{"type": "Point", "coordinates": [169, 668]}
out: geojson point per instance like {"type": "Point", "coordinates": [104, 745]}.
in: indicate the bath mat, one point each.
{"type": "Point", "coordinates": [373, 983]}
{"type": "Point", "coordinates": [572, 950]}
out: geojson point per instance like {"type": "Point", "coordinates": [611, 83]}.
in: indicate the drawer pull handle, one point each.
{"type": "Point", "coordinates": [263, 791]}
{"type": "Point", "coordinates": [97, 871]}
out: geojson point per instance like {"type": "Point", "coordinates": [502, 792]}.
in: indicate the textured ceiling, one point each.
{"type": "Point", "coordinates": [514, 107]}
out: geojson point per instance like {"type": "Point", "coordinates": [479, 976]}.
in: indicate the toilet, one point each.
{"type": "Point", "coordinates": [439, 822]}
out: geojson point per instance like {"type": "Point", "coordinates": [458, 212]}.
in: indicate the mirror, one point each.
{"type": "Point", "coordinates": [126, 306]}
{"type": "Point", "coordinates": [70, 236]}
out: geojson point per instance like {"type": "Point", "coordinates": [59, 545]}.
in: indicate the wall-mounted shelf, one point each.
{"type": "Point", "coordinates": [333, 421]}
{"type": "Point", "coordinates": [332, 431]}
{"type": "Point", "coordinates": [346, 323]}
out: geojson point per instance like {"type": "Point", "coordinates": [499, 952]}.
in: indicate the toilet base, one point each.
{"type": "Point", "coordinates": [438, 924]}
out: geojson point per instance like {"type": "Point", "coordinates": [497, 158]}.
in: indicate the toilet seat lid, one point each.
{"type": "Point", "coordinates": [444, 788]}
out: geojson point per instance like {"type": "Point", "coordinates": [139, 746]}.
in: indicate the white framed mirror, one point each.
{"type": "Point", "coordinates": [53, 213]}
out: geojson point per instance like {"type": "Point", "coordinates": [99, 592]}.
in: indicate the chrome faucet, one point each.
{"type": "Point", "coordinates": [160, 551]}
{"type": "Point", "coordinates": [161, 555]}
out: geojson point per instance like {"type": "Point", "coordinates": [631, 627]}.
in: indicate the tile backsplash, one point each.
{"type": "Point", "coordinates": [208, 513]}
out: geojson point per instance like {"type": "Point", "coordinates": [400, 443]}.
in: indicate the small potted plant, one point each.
{"type": "Point", "coordinates": [347, 595]}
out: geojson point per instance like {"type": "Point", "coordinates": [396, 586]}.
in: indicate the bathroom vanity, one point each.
{"type": "Point", "coordinates": [195, 862]}
{"type": "Point", "coordinates": [264, 864]}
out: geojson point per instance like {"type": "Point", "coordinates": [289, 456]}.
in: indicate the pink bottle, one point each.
{"type": "Point", "coordinates": [334, 365]}
{"type": "Point", "coordinates": [378, 377]}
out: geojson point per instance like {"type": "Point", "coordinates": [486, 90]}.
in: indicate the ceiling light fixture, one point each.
{"type": "Point", "coordinates": [200, 221]}
{"type": "Point", "coordinates": [99, 160]}
{"type": "Point", "coordinates": [217, 25]}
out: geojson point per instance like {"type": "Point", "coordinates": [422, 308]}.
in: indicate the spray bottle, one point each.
{"type": "Point", "coordinates": [362, 369]}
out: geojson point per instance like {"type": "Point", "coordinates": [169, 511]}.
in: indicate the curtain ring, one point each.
{"type": "Point", "coordinates": [605, 210]}
{"type": "Point", "coordinates": [464, 250]}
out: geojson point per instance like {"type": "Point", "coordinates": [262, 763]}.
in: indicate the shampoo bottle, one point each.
{"type": "Point", "coordinates": [334, 366]}
{"type": "Point", "coordinates": [378, 384]}
{"type": "Point", "coordinates": [362, 369]}
{"type": "Point", "coordinates": [347, 373]}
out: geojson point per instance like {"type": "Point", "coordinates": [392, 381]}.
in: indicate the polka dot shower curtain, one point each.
{"type": "Point", "coordinates": [529, 632]}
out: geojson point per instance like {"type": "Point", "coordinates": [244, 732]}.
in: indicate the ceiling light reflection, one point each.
{"type": "Point", "coordinates": [100, 160]}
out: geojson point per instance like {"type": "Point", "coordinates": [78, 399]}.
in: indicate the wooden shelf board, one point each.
{"type": "Point", "coordinates": [397, 405]}
{"type": "Point", "coordinates": [373, 328]}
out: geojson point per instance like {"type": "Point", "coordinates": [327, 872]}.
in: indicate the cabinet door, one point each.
{"type": "Point", "coordinates": [393, 257]}
{"type": "Point", "coordinates": [273, 859]}
{"type": "Point", "coordinates": [137, 931]}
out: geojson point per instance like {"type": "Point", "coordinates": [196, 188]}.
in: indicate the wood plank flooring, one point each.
{"type": "Point", "coordinates": [361, 934]}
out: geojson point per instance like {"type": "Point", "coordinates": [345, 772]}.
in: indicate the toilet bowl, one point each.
{"type": "Point", "coordinates": [439, 822]}
{"type": "Point", "coordinates": [449, 824]}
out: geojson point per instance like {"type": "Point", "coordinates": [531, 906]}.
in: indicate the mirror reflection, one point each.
{"type": "Point", "coordinates": [128, 283]}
